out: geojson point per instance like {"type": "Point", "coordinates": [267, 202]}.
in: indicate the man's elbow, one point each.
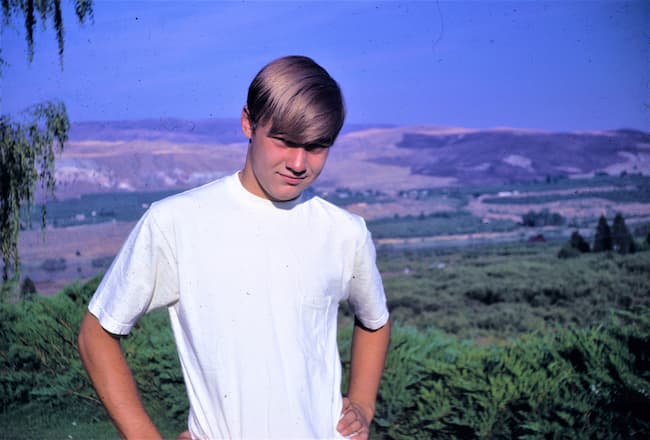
{"type": "Point", "coordinates": [385, 327]}
{"type": "Point", "coordinates": [83, 337]}
{"type": "Point", "coordinates": [91, 337]}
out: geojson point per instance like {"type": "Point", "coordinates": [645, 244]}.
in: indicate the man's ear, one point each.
{"type": "Point", "coordinates": [246, 124]}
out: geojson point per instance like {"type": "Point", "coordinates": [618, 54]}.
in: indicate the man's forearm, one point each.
{"type": "Point", "coordinates": [367, 365]}
{"type": "Point", "coordinates": [102, 358]}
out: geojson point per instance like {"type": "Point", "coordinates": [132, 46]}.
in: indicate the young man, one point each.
{"type": "Point", "coordinates": [252, 271]}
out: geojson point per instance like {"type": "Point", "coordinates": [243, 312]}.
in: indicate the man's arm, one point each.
{"type": "Point", "coordinates": [102, 358]}
{"type": "Point", "coordinates": [369, 349]}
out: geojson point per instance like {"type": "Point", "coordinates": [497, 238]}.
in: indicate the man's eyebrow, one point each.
{"type": "Point", "coordinates": [310, 146]}
{"type": "Point", "coordinates": [316, 146]}
{"type": "Point", "coordinates": [283, 139]}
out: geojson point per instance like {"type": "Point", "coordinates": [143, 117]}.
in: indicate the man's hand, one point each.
{"type": "Point", "coordinates": [354, 422]}
{"type": "Point", "coordinates": [184, 436]}
{"type": "Point", "coordinates": [366, 365]}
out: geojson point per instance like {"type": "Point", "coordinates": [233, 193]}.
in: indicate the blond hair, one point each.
{"type": "Point", "coordinates": [302, 101]}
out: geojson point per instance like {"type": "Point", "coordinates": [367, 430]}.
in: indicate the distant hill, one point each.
{"type": "Point", "coordinates": [161, 154]}
{"type": "Point", "coordinates": [498, 156]}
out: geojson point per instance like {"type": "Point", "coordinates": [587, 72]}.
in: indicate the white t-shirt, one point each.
{"type": "Point", "coordinates": [253, 289]}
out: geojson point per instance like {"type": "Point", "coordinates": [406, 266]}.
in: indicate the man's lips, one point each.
{"type": "Point", "coordinates": [292, 180]}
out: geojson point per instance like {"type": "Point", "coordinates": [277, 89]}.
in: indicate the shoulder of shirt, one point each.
{"type": "Point", "coordinates": [191, 197]}
{"type": "Point", "coordinates": [339, 215]}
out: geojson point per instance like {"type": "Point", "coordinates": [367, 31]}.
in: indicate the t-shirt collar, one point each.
{"type": "Point", "coordinates": [252, 199]}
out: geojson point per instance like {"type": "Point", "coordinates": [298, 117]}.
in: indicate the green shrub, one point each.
{"type": "Point", "coordinates": [39, 363]}
{"type": "Point", "coordinates": [578, 242]}
{"type": "Point", "coordinates": [38, 355]}
{"type": "Point", "coordinates": [151, 353]}
{"type": "Point", "coordinates": [590, 383]}
{"type": "Point", "coordinates": [574, 247]}
{"type": "Point", "coordinates": [568, 251]}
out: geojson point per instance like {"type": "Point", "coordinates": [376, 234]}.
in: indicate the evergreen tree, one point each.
{"type": "Point", "coordinates": [27, 289]}
{"type": "Point", "coordinates": [578, 242]}
{"type": "Point", "coordinates": [622, 240]}
{"type": "Point", "coordinates": [603, 238]}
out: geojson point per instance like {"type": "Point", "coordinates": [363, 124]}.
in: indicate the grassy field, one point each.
{"type": "Point", "coordinates": [444, 223]}
{"type": "Point", "coordinates": [98, 208]}
{"type": "Point", "coordinates": [129, 206]}
{"type": "Point", "coordinates": [492, 292]}
{"type": "Point", "coordinates": [627, 183]}
{"type": "Point", "coordinates": [632, 194]}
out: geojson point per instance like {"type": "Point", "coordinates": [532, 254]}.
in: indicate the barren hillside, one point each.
{"type": "Point", "coordinates": [165, 154]}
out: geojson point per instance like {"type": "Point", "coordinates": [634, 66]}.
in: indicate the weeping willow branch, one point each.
{"type": "Point", "coordinates": [46, 9]}
{"type": "Point", "coordinates": [27, 158]}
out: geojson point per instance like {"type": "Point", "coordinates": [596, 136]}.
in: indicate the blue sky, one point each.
{"type": "Point", "coordinates": [561, 65]}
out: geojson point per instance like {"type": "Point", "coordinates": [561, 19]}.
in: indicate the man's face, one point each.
{"type": "Point", "coordinates": [278, 170]}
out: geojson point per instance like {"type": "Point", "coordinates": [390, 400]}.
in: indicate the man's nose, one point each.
{"type": "Point", "coordinates": [297, 160]}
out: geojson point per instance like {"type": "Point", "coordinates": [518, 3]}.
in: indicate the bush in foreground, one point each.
{"type": "Point", "coordinates": [571, 383]}
{"type": "Point", "coordinates": [590, 383]}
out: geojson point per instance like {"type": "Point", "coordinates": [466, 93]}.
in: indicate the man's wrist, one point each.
{"type": "Point", "coordinates": [367, 410]}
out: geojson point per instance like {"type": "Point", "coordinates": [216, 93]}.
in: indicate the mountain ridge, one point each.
{"type": "Point", "coordinates": [152, 155]}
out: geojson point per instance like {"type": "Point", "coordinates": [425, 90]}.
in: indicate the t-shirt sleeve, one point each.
{"type": "Point", "coordinates": [142, 277]}
{"type": "Point", "coordinates": [367, 296]}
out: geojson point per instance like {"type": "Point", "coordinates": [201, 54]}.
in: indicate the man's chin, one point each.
{"type": "Point", "coordinates": [287, 196]}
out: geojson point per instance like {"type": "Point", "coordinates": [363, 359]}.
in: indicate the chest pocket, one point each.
{"type": "Point", "coordinates": [315, 317]}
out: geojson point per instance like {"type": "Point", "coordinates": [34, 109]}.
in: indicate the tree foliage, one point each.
{"type": "Point", "coordinates": [578, 242]}
{"type": "Point", "coordinates": [32, 10]}
{"type": "Point", "coordinates": [27, 147]}
{"type": "Point", "coordinates": [27, 157]}
{"type": "Point", "coordinates": [622, 240]}
{"type": "Point", "coordinates": [576, 245]}
{"type": "Point", "coordinates": [28, 289]}
{"type": "Point", "coordinates": [542, 218]}
{"type": "Point", "coordinates": [603, 238]}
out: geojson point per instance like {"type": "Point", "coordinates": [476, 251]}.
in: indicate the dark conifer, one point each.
{"type": "Point", "coordinates": [603, 238]}
{"type": "Point", "coordinates": [578, 242]}
{"type": "Point", "coordinates": [622, 240]}
{"type": "Point", "coordinates": [27, 289]}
